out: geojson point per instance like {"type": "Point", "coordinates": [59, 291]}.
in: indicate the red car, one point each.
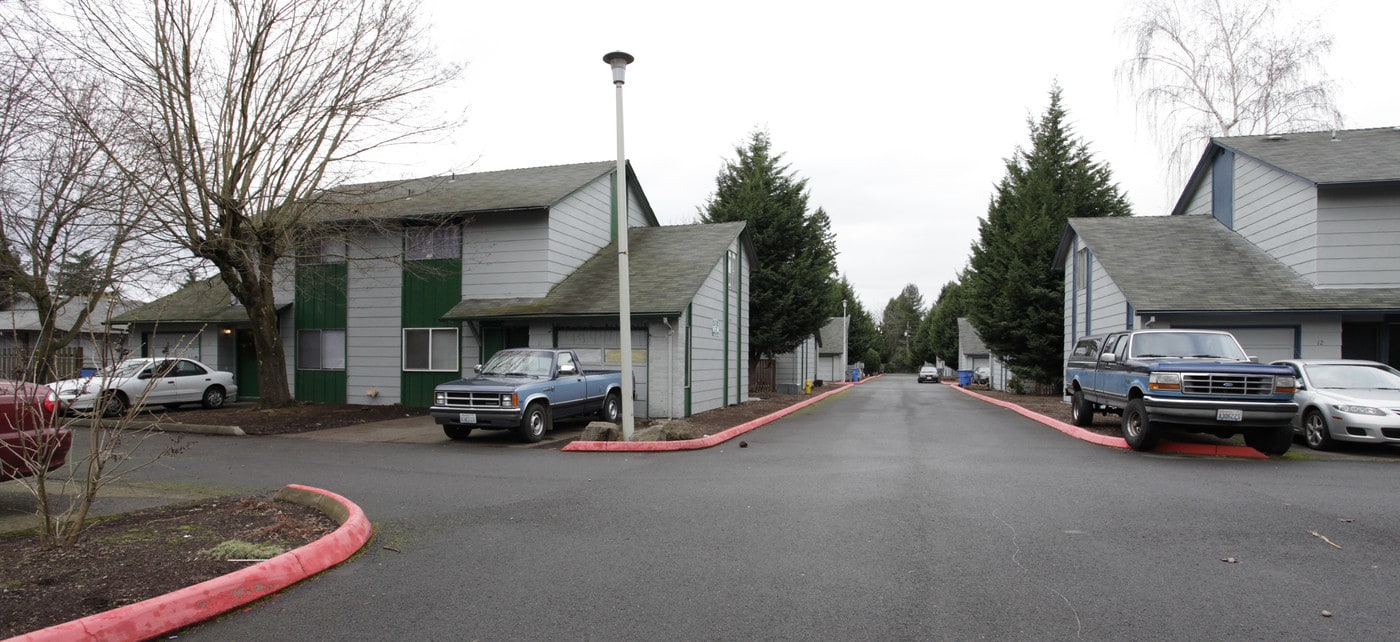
{"type": "Point", "coordinates": [30, 436]}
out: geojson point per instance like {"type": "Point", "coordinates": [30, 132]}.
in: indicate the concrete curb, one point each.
{"type": "Point", "coordinates": [703, 442]}
{"type": "Point", "coordinates": [1118, 442]}
{"type": "Point", "coordinates": [198, 429]}
{"type": "Point", "coordinates": [173, 611]}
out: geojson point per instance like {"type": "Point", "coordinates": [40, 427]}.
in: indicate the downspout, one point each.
{"type": "Point", "coordinates": [670, 367]}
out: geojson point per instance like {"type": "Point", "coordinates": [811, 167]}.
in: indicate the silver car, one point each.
{"type": "Point", "coordinates": [1346, 400]}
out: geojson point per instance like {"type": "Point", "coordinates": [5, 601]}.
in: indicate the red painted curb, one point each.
{"type": "Point", "coordinates": [703, 442]}
{"type": "Point", "coordinates": [1118, 442]}
{"type": "Point", "coordinates": [172, 611]}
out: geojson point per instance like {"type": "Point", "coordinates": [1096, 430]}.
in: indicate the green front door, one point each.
{"type": "Point", "coordinates": [246, 358]}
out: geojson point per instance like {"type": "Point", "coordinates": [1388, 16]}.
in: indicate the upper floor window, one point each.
{"type": "Point", "coordinates": [324, 250]}
{"type": "Point", "coordinates": [1081, 268]}
{"type": "Point", "coordinates": [437, 242]}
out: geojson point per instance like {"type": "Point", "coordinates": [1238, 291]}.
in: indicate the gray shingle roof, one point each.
{"type": "Point", "coordinates": [532, 188]}
{"type": "Point", "coordinates": [667, 267]}
{"type": "Point", "coordinates": [206, 301]}
{"type": "Point", "coordinates": [1166, 264]}
{"type": "Point", "coordinates": [1354, 156]}
{"type": "Point", "coordinates": [830, 337]}
{"type": "Point", "coordinates": [969, 342]}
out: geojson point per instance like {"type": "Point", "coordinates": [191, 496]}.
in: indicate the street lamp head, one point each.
{"type": "Point", "coordinates": [619, 61]}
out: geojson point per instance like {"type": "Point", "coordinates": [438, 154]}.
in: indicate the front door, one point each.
{"type": "Point", "coordinates": [246, 358]}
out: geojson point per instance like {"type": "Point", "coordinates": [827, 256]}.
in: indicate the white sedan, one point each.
{"type": "Point", "coordinates": [1346, 400]}
{"type": "Point", "coordinates": [141, 382]}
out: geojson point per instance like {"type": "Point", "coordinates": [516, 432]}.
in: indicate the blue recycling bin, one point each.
{"type": "Point", "coordinates": [854, 375]}
{"type": "Point", "coordinates": [964, 377]}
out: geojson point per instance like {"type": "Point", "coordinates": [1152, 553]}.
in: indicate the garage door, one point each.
{"type": "Point", "coordinates": [1268, 344]}
{"type": "Point", "coordinates": [599, 347]}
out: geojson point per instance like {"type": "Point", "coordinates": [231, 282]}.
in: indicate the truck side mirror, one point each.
{"type": "Point", "coordinates": [1108, 357]}
{"type": "Point", "coordinates": [568, 370]}
{"type": "Point", "coordinates": [477, 369]}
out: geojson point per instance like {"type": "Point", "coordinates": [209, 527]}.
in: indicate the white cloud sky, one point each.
{"type": "Point", "coordinates": [899, 114]}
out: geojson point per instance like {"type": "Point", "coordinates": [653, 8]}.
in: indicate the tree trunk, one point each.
{"type": "Point", "coordinates": [273, 388]}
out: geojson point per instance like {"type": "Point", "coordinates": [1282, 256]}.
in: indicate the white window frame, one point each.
{"type": "Point", "coordinates": [332, 338]}
{"type": "Point", "coordinates": [435, 335]}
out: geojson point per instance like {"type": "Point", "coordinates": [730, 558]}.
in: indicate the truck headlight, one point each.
{"type": "Point", "coordinates": [1359, 410]}
{"type": "Point", "coordinates": [440, 398]}
{"type": "Point", "coordinates": [1164, 381]}
{"type": "Point", "coordinates": [509, 400]}
{"type": "Point", "coordinates": [1285, 384]}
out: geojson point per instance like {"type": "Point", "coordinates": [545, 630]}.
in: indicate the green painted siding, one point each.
{"type": "Point", "coordinates": [430, 288]}
{"type": "Point", "coordinates": [320, 305]}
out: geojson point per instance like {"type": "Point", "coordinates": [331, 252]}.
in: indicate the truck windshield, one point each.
{"type": "Point", "coordinates": [1199, 345]}
{"type": "Point", "coordinates": [520, 363]}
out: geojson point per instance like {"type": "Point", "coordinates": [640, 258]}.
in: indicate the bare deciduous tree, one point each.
{"type": "Point", "coordinates": [251, 108]}
{"type": "Point", "coordinates": [1203, 68]}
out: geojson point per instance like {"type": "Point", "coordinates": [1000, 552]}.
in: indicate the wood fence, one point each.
{"type": "Point", "coordinates": [763, 374]}
{"type": "Point", "coordinates": [18, 363]}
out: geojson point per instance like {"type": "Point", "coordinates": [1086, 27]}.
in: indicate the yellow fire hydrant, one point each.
{"type": "Point", "coordinates": [807, 387]}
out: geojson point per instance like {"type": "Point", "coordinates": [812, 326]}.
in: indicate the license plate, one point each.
{"type": "Point", "coordinates": [1225, 414]}
{"type": "Point", "coordinates": [466, 417]}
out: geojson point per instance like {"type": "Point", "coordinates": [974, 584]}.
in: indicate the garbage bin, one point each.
{"type": "Point", "coordinates": [854, 375]}
{"type": "Point", "coordinates": [964, 377]}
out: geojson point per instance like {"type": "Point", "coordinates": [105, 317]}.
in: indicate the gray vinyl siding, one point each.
{"type": "Point", "coordinates": [636, 217]}
{"type": "Point", "coordinates": [1278, 213]}
{"type": "Point", "coordinates": [373, 360]}
{"type": "Point", "coordinates": [506, 256]}
{"type": "Point", "coordinates": [1358, 238]}
{"type": "Point", "coordinates": [707, 346]}
{"type": "Point", "coordinates": [579, 226]}
{"type": "Point", "coordinates": [797, 367]}
{"type": "Point", "coordinates": [1200, 202]}
{"type": "Point", "coordinates": [1110, 306]}
{"type": "Point", "coordinates": [665, 369]}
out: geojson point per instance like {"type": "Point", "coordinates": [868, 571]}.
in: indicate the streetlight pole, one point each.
{"type": "Point", "coordinates": [845, 342]}
{"type": "Point", "coordinates": [619, 61]}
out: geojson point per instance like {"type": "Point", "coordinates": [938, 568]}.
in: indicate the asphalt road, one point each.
{"type": "Point", "coordinates": [891, 511]}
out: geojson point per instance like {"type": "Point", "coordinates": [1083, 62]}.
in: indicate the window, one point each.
{"type": "Point", "coordinates": [444, 242]}
{"type": "Point", "coordinates": [324, 250]}
{"type": "Point", "coordinates": [321, 350]}
{"type": "Point", "coordinates": [1081, 268]}
{"type": "Point", "coordinates": [430, 349]}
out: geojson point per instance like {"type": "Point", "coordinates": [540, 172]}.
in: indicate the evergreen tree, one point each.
{"type": "Point", "coordinates": [791, 290]}
{"type": "Point", "coordinates": [1014, 298]}
{"type": "Point", "coordinates": [900, 321]}
{"type": "Point", "coordinates": [941, 331]}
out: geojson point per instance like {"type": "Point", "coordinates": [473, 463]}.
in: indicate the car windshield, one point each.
{"type": "Point", "coordinates": [1349, 376]}
{"type": "Point", "coordinates": [130, 368]}
{"type": "Point", "coordinates": [1199, 345]}
{"type": "Point", "coordinates": [520, 363]}
{"type": "Point", "coordinates": [928, 369]}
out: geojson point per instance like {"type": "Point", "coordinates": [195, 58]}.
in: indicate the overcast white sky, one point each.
{"type": "Point", "coordinates": [899, 114]}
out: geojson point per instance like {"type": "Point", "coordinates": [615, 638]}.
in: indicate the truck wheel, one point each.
{"type": "Point", "coordinates": [1138, 430]}
{"type": "Point", "coordinates": [1081, 412]}
{"type": "Point", "coordinates": [534, 424]}
{"type": "Point", "coordinates": [456, 432]}
{"type": "Point", "coordinates": [612, 408]}
{"type": "Point", "coordinates": [1315, 432]}
{"type": "Point", "coordinates": [1270, 441]}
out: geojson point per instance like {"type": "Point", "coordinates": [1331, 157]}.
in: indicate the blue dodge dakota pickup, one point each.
{"type": "Point", "coordinates": [1193, 380]}
{"type": "Point", "coordinates": [525, 390]}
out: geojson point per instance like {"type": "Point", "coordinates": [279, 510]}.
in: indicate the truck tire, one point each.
{"type": "Point", "coordinates": [1138, 430]}
{"type": "Point", "coordinates": [534, 423]}
{"type": "Point", "coordinates": [1315, 432]}
{"type": "Point", "coordinates": [1270, 441]}
{"type": "Point", "coordinates": [611, 411]}
{"type": "Point", "coordinates": [1081, 412]}
{"type": "Point", "coordinates": [456, 432]}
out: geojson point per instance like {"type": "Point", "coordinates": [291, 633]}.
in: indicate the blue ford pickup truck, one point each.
{"type": "Point", "coordinates": [525, 390]}
{"type": "Point", "coordinates": [1193, 380]}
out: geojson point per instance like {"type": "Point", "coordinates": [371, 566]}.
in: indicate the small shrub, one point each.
{"type": "Point", "coordinates": [239, 550]}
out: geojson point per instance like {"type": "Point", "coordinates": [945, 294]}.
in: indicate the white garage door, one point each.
{"type": "Point", "coordinates": [1268, 344]}
{"type": "Point", "coordinates": [599, 348]}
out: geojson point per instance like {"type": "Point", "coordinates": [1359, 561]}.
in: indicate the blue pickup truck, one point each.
{"type": "Point", "coordinates": [1193, 380]}
{"type": "Point", "coordinates": [525, 390]}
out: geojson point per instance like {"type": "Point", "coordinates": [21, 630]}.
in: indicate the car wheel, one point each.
{"type": "Point", "coordinates": [612, 408]}
{"type": "Point", "coordinates": [1081, 412]}
{"type": "Point", "coordinates": [213, 398]}
{"type": "Point", "coordinates": [534, 424]}
{"type": "Point", "coordinates": [1315, 432]}
{"type": "Point", "coordinates": [1270, 441]}
{"type": "Point", "coordinates": [1138, 430]}
{"type": "Point", "coordinates": [456, 432]}
{"type": "Point", "coordinates": [113, 403]}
